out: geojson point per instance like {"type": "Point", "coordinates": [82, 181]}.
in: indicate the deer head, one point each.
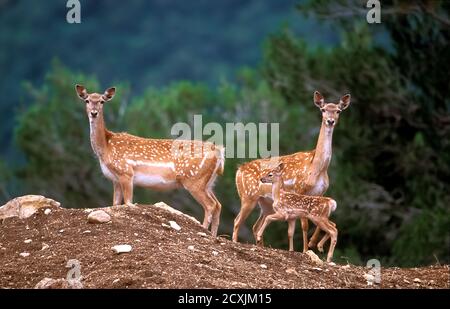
{"type": "Point", "coordinates": [94, 101]}
{"type": "Point", "coordinates": [331, 111]}
{"type": "Point", "coordinates": [274, 175]}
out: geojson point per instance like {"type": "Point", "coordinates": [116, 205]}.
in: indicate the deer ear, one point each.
{"type": "Point", "coordinates": [280, 167]}
{"type": "Point", "coordinates": [81, 91]}
{"type": "Point", "coordinates": [109, 93]}
{"type": "Point", "coordinates": [318, 99]}
{"type": "Point", "coordinates": [344, 102]}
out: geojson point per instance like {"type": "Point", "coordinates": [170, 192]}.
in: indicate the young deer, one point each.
{"type": "Point", "coordinates": [290, 206]}
{"type": "Point", "coordinates": [304, 173]}
{"type": "Point", "coordinates": [160, 164]}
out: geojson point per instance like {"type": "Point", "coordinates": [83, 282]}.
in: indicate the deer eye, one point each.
{"type": "Point", "coordinates": [270, 175]}
{"type": "Point", "coordinates": [87, 101]}
{"type": "Point", "coordinates": [338, 111]}
{"type": "Point", "coordinates": [102, 101]}
{"type": "Point", "coordinates": [322, 110]}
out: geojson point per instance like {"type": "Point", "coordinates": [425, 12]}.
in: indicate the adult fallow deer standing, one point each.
{"type": "Point", "coordinates": [304, 173]}
{"type": "Point", "coordinates": [159, 164]}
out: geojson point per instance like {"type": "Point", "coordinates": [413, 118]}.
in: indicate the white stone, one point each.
{"type": "Point", "coordinates": [27, 241]}
{"type": "Point", "coordinates": [121, 249]}
{"type": "Point", "coordinates": [215, 253]}
{"type": "Point", "coordinates": [49, 283]}
{"type": "Point", "coordinates": [24, 254]}
{"type": "Point", "coordinates": [191, 248]}
{"type": "Point", "coordinates": [47, 211]}
{"type": "Point", "coordinates": [202, 234]}
{"type": "Point", "coordinates": [25, 206]}
{"type": "Point", "coordinates": [174, 225]}
{"type": "Point", "coordinates": [99, 216]}
{"type": "Point", "coordinates": [314, 258]}
{"type": "Point", "coordinates": [44, 246]}
{"type": "Point", "coordinates": [163, 205]}
{"type": "Point", "coordinates": [263, 266]}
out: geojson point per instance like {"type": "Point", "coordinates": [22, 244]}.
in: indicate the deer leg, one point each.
{"type": "Point", "coordinates": [216, 214]}
{"type": "Point", "coordinates": [291, 230]}
{"type": "Point", "coordinates": [117, 196]}
{"type": "Point", "coordinates": [247, 205]}
{"type": "Point", "coordinates": [322, 242]}
{"type": "Point", "coordinates": [208, 204]}
{"type": "Point", "coordinates": [305, 227]}
{"type": "Point", "coordinates": [126, 183]}
{"type": "Point", "coordinates": [267, 221]}
{"type": "Point", "coordinates": [256, 228]}
{"type": "Point", "coordinates": [313, 240]}
{"type": "Point", "coordinates": [330, 229]}
{"type": "Point", "coordinates": [266, 209]}
{"type": "Point", "coordinates": [324, 239]}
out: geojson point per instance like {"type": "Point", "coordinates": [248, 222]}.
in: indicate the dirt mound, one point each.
{"type": "Point", "coordinates": [164, 256]}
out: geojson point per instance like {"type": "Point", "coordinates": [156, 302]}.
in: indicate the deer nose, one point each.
{"type": "Point", "coordinates": [330, 122]}
{"type": "Point", "coordinates": [94, 114]}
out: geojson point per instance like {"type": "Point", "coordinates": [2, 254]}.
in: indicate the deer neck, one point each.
{"type": "Point", "coordinates": [322, 156]}
{"type": "Point", "coordinates": [277, 186]}
{"type": "Point", "coordinates": [98, 135]}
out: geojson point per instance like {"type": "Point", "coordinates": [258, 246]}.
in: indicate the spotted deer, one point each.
{"type": "Point", "coordinates": [159, 164]}
{"type": "Point", "coordinates": [290, 206]}
{"type": "Point", "coordinates": [304, 173]}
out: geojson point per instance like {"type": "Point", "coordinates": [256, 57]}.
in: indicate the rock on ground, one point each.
{"type": "Point", "coordinates": [49, 283]}
{"type": "Point", "coordinates": [25, 206]}
{"type": "Point", "coordinates": [314, 258]}
{"type": "Point", "coordinates": [122, 249]}
{"type": "Point", "coordinates": [99, 216]}
{"type": "Point", "coordinates": [174, 211]}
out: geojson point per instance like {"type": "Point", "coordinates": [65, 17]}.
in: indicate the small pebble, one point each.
{"type": "Point", "coordinates": [174, 225]}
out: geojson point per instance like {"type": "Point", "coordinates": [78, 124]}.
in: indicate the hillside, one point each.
{"type": "Point", "coordinates": [163, 257]}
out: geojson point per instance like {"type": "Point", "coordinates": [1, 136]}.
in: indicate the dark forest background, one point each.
{"type": "Point", "coordinates": [242, 61]}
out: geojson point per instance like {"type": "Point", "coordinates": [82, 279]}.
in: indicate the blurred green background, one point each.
{"type": "Point", "coordinates": [242, 61]}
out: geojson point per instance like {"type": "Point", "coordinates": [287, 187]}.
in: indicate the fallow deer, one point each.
{"type": "Point", "coordinates": [290, 206]}
{"type": "Point", "coordinates": [304, 173]}
{"type": "Point", "coordinates": [160, 164]}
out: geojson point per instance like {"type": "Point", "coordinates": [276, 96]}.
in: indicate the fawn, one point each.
{"type": "Point", "coordinates": [159, 164]}
{"type": "Point", "coordinates": [290, 206]}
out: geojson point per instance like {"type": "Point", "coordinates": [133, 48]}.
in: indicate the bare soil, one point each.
{"type": "Point", "coordinates": [163, 257]}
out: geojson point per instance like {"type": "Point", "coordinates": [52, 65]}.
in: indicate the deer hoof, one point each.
{"type": "Point", "coordinates": [311, 245]}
